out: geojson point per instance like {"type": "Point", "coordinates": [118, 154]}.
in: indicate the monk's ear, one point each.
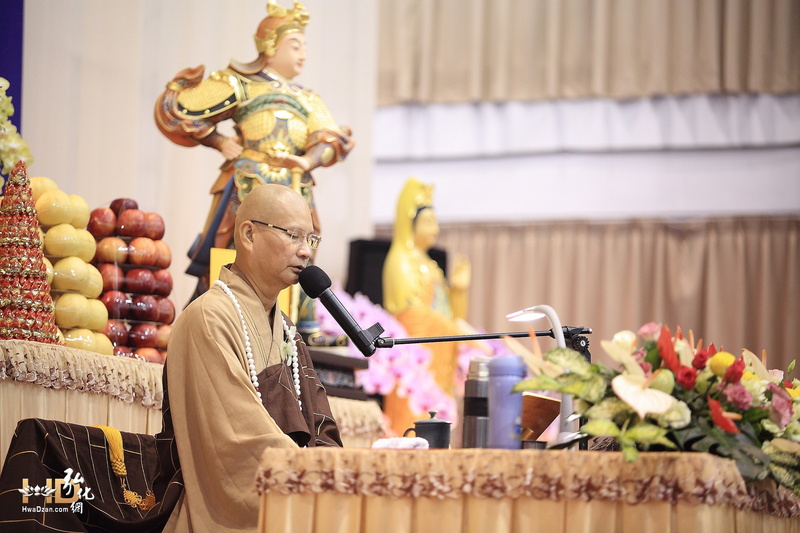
{"type": "Point", "coordinates": [246, 233]}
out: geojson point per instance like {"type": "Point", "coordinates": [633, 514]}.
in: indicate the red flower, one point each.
{"type": "Point", "coordinates": [734, 372]}
{"type": "Point", "coordinates": [719, 416]}
{"type": "Point", "coordinates": [686, 377]}
{"type": "Point", "coordinates": [667, 351]}
{"type": "Point", "coordinates": [701, 359]}
{"type": "Point", "coordinates": [711, 349]}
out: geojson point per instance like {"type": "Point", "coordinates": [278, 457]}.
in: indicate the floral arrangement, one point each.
{"type": "Point", "coordinates": [670, 394]}
{"type": "Point", "coordinates": [12, 147]}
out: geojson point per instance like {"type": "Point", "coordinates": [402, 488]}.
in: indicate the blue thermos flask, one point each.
{"type": "Point", "coordinates": [505, 408]}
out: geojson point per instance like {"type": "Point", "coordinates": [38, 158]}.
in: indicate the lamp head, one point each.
{"type": "Point", "coordinates": [528, 314]}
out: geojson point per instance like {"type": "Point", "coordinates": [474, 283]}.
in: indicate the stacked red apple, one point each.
{"type": "Point", "coordinates": [75, 283]}
{"type": "Point", "coordinates": [132, 261]}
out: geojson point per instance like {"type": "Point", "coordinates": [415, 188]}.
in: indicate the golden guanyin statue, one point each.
{"type": "Point", "coordinates": [417, 293]}
{"type": "Point", "coordinates": [283, 131]}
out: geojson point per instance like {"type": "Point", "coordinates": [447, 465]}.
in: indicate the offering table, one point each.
{"type": "Point", "coordinates": [59, 383]}
{"type": "Point", "coordinates": [477, 491]}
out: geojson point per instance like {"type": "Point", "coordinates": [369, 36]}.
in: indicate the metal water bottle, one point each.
{"type": "Point", "coordinates": [476, 403]}
{"type": "Point", "coordinates": [505, 408]}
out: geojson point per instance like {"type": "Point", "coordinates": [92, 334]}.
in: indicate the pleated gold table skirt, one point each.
{"type": "Point", "coordinates": [478, 491]}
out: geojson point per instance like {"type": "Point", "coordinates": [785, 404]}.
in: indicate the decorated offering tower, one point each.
{"type": "Point", "coordinates": [26, 307]}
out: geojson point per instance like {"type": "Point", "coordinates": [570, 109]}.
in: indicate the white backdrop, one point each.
{"type": "Point", "coordinates": [92, 72]}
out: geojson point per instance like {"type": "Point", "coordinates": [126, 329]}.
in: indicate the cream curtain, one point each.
{"type": "Point", "coordinates": [733, 281]}
{"type": "Point", "coordinates": [451, 51]}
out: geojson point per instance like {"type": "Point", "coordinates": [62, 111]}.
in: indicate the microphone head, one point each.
{"type": "Point", "coordinates": [314, 281]}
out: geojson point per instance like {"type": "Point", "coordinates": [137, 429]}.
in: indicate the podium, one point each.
{"type": "Point", "coordinates": [514, 491]}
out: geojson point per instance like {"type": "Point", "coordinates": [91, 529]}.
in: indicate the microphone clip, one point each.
{"type": "Point", "coordinates": [371, 336]}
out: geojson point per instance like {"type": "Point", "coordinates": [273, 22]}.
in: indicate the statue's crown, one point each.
{"type": "Point", "coordinates": [279, 22]}
{"type": "Point", "coordinates": [414, 196]}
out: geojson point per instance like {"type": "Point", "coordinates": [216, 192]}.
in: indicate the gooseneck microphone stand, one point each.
{"type": "Point", "coordinates": [573, 334]}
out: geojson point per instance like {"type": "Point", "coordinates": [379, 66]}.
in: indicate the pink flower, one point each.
{"type": "Point", "coordinates": [776, 374]}
{"type": "Point", "coordinates": [377, 380]}
{"type": "Point", "coordinates": [738, 396]}
{"type": "Point", "coordinates": [780, 410]}
{"type": "Point", "coordinates": [650, 331]}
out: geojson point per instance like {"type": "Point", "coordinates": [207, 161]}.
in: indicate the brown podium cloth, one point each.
{"type": "Point", "coordinates": [44, 451]}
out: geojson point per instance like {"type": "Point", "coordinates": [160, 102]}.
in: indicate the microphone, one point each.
{"type": "Point", "coordinates": [316, 284]}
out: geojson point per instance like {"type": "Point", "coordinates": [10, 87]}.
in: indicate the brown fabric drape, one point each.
{"type": "Point", "coordinates": [733, 281]}
{"type": "Point", "coordinates": [42, 451]}
{"type": "Point", "coordinates": [449, 51]}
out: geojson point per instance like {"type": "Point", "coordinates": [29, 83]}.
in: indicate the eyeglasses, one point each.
{"type": "Point", "coordinates": [296, 235]}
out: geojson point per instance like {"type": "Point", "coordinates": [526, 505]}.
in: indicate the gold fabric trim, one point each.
{"type": "Point", "coordinates": [60, 367]}
{"type": "Point", "coordinates": [360, 422]}
{"type": "Point", "coordinates": [692, 478]}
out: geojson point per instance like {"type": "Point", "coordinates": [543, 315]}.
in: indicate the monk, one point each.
{"type": "Point", "coordinates": [239, 378]}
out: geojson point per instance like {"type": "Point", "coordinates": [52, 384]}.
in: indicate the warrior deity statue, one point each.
{"type": "Point", "coordinates": [283, 131]}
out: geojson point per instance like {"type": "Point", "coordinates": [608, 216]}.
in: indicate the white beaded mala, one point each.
{"type": "Point", "coordinates": [289, 346]}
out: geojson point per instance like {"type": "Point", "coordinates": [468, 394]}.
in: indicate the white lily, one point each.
{"type": "Point", "coordinates": [635, 391]}
{"type": "Point", "coordinates": [620, 348]}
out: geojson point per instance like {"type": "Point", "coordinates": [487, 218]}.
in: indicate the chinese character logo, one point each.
{"type": "Point", "coordinates": [58, 491]}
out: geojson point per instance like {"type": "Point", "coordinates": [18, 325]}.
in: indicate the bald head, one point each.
{"type": "Point", "coordinates": [270, 202]}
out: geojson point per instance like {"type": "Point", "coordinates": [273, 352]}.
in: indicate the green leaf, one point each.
{"type": "Point", "coordinates": [747, 467]}
{"type": "Point", "coordinates": [570, 360]}
{"type": "Point", "coordinates": [540, 382]}
{"type": "Point", "coordinates": [790, 369]}
{"type": "Point", "coordinates": [568, 378]}
{"type": "Point", "coordinates": [651, 354]}
{"type": "Point", "coordinates": [579, 406]}
{"type": "Point", "coordinates": [592, 390]}
{"type": "Point", "coordinates": [609, 408]}
{"type": "Point", "coordinates": [786, 477]}
{"type": "Point", "coordinates": [601, 428]}
{"type": "Point", "coordinates": [704, 445]}
{"type": "Point", "coordinates": [629, 452]}
{"type": "Point", "coordinates": [645, 433]}
{"type": "Point", "coordinates": [780, 457]}
{"type": "Point", "coordinates": [755, 414]}
{"type": "Point", "coordinates": [687, 436]}
{"type": "Point", "coordinates": [664, 441]}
